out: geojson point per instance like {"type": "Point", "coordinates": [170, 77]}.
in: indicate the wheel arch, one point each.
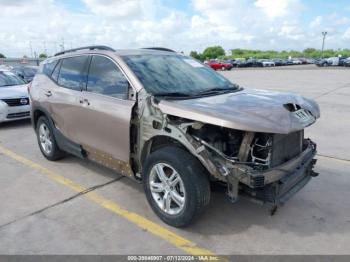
{"type": "Point", "coordinates": [37, 113]}
{"type": "Point", "coordinates": [156, 142]}
{"type": "Point", "coordinates": [63, 142]}
{"type": "Point", "coordinates": [159, 141]}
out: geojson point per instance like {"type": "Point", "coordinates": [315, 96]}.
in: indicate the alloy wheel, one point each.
{"type": "Point", "coordinates": [167, 188]}
{"type": "Point", "coordinates": [45, 138]}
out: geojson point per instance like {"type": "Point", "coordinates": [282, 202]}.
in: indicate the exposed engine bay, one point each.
{"type": "Point", "coordinates": [263, 150]}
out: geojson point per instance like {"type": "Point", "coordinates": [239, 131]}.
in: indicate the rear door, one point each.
{"type": "Point", "coordinates": [104, 124]}
{"type": "Point", "coordinates": [65, 97]}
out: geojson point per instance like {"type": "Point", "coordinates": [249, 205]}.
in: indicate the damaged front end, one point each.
{"type": "Point", "coordinates": [264, 166]}
{"type": "Point", "coordinates": [267, 168]}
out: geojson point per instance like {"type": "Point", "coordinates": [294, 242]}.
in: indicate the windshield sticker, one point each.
{"type": "Point", "coordinates": [193, 63]}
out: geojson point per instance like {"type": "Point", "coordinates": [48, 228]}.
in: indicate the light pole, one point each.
{"type": "Point", "coordinates": [324, 37]}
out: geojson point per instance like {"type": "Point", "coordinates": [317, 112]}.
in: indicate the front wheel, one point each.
{"type": "Point", "coordinates": [176, 185]}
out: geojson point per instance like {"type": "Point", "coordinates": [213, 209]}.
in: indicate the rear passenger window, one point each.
{"type": "Point", "coordinates": [72, 73]}
{"type": "Point", "coordinates": [106, 78]}
{"type": "Point", "coordinates": [55, 72]}
{"type": "Point", "coordinates": [48, 67]}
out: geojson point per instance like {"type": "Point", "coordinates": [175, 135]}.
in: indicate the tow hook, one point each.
{"type": "Point", "coordinates": [313, 173]}
{"type": "Point", "coordinates": [232, 189]}
{"type": "Point", "coordinates": [273, 210]}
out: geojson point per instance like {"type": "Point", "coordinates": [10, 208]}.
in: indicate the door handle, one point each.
{"type": "Point", "coordinates": [48, 93]}
{"type": "Point", "coordinates": [84, 101]}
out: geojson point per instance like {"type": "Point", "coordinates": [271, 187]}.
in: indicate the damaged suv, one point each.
{"type": "Point", "coordinates": [173, 124]}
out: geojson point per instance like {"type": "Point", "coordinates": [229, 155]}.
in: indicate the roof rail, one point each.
{"type": "Point", "coordinates": [160, 49]}
{"type": "Point", "coordinates": [91, 47]}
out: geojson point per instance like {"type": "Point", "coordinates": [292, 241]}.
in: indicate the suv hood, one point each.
{"type": "Point", "coordinates": [13, 91]}
{"type": "Point", "coordinates": [248, 110]}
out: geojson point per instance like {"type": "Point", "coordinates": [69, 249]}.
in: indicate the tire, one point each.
{"type": "Point", "coordinates": [195, 185]}
{"type": "Point", "coordinates": [54, 153]}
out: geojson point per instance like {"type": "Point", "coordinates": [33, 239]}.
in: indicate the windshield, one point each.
{"type": "Point", "coordinates": [9, 79]}
{"type": "Point", "coordinates": [176, 74]}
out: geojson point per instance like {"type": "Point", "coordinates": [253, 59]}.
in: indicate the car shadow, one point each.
{"type": "Point", "coordinates": [301, 215]}
{"type": "Point", "coordinates": [18, 124]}
{"type": "Point", "coordinates": [309, 212]}
{"type": "Point", "coordinates": [90, 165]}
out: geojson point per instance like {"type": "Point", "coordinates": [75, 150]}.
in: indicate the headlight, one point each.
{"type": "Point", "coordinates": [3, 109]}
{"type": "Point", "coordinates": [2, 104]}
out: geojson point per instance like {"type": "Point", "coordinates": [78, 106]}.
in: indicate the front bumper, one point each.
{"type": "Point", "coordinates": [276, 185]}
{"type": "Point", "coordinates": [13, 113]}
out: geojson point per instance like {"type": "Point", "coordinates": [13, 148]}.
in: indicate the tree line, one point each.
{"type": "Point", "coordinates": [218, 52]}
{"type": "Point", "coordinates": [42, 56]}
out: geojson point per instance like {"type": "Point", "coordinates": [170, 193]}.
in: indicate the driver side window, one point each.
{"type": "Point", "coordinates": [105, 78]}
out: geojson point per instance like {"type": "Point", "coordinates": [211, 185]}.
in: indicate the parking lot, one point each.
{"type": "Point", "coordinates": [42, 211]}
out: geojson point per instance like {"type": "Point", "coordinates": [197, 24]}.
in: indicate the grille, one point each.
{"type": "Point", "coordinates": [18, 115]}
{"type": "Point", "coordinates": [17, 101]}
{"type": "Point", "coordinates": [286, 147]}
{"type": "Point", "coordinates": [257, 181]}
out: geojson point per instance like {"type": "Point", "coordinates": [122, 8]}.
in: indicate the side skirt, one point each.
{"type": "Point", "coordinates": [67, 145]}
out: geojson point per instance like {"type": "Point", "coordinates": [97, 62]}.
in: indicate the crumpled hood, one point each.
{"type": "Point", "coordinates": [249, 110]}
{"type": "Point", "coordinates": [14, 91]}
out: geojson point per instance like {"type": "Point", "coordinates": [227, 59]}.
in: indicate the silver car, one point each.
{"type": "Point", "coordinates": [14, 99]}
{"type": "Point", "coordinates": [175, 125]}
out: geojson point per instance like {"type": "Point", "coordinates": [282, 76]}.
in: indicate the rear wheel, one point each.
{"type": "Point", "coordinates": [176, 185]}
{"type": "Point", "coordinates": [46, 140]}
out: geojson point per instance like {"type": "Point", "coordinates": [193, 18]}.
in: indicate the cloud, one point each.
{"type": "Point", "coordinates": [316, 22]}
{"type": "Point", "coordinates": [346, 34]}
{"type": "Point", "coordinates": [123, 9]}
{"type": "Point", "coordinates": [280, 8]}
{"type": "Point", "coordinates": [116, 9]}
{"type": "Point", "coordinates": [260, 24]}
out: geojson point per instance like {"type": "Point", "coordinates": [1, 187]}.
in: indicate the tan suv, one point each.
{"type": "Point", "coordinates": [173, 123]}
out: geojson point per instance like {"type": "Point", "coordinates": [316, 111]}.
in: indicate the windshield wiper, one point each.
{"type": "Point", "coordinates": [219, 90]}
{"type": "Point", "coordinates": [174, 94]}
{"type": "Point", "coordinates": [212, 91]}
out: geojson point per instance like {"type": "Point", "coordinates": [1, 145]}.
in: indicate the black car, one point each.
{"type": "Point", "coordinates": [252, 62]}
{"type": "Point", "coordinates": [346, 62]}
{"type": "Point", "coordinates": [321, 62]}
{"type": "Point", "coordinates": [27, 73]}
{"type": "Point", "coordinates": [343, 61]}
{"type": "Point", "coordinates": [279, 62]}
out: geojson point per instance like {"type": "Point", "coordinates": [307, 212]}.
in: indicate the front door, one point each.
{"type": "Point", "coordinates": [105, 115]}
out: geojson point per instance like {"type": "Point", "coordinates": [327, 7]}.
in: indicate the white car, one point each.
{"type": "Point", "coordinates": [297, 62]}
{"type": "Point", "coordinates": [14, 98]}
{"type": "Point", "coordinates": [266, 63]}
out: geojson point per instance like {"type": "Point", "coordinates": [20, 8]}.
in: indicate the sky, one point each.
{"type": "Point", "coordinates": [37, 26]}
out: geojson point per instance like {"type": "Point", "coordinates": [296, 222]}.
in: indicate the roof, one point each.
{"type": "Point", "coordinates": [121, 52]}
{"type": "Point", "coordinates": [25, 66]}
